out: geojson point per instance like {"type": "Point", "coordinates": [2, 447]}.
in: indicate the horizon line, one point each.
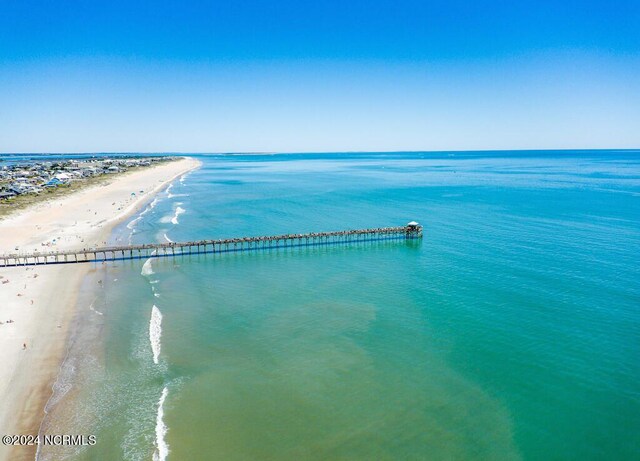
{"type": "Point", "coordinates": [316, 152]}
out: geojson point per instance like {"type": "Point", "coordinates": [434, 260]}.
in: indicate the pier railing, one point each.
{"type": "Point", "coordinates": [158, 250]}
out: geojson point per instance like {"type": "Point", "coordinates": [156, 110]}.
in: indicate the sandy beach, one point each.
{"type": "Point", "coordinates": [37, 303]}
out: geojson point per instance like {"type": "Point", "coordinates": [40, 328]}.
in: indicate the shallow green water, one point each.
{"type": "Point", "coordinates": [511, 331]}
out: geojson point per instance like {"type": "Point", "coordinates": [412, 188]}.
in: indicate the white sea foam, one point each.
{"type": "Point", "coordinates": [150, 207]}
{"type": "Point", "coordinates": [169, 194]}
{"type": "Point", "coordinates": [162, 449]}
{"type": "Point", "coordinates": [147, 269]}
{"type": "Point", "coordinates": [167, 239]}
{"type": "Point", "coordinates": [93, 309]}
{"type": "Point", "coordinates": [155, 331]}
{"type": "Point", "coordinates": [132, 223]}
{"type": "Point", "coordinates": [179, 211]}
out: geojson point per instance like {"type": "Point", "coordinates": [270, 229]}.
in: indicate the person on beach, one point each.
{"type": "Point", "coordinates": [24, 346]}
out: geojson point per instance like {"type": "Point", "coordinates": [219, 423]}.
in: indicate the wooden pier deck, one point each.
{"type": "Point", "coordinates": [159, 250]}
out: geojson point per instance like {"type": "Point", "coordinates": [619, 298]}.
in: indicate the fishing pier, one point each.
{"type": "Point", "coordinates": [411, 231]}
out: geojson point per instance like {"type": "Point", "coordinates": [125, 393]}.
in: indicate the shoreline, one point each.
{"type": "Point", "coordinates": [42, 301]}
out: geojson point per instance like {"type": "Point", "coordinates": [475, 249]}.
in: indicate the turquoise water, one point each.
{"type": "Point", "coordinates": [512, 331]}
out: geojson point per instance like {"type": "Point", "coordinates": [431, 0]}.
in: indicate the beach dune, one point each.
{"type": "Point", "coordinates": [37, 303]}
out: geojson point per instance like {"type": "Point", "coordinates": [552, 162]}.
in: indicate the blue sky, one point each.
{"type": "Point", "coordinates": [228, 76]}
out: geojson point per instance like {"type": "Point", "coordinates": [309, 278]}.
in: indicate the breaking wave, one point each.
{"type": "Point", "coordinates": [179, 211]}
{"type": "Point", "coordinates": [155, 332]}
{"type": "Point", "coordinates": [150, 207]}
{"type": "Point", "coordinates": [147, 269]}
{"type": "Point", "coordinates": [162, 449]}
{"type": "Point", "coordinates": [133, 223]}
{"type": "Point", "coordinates": [93, 309]}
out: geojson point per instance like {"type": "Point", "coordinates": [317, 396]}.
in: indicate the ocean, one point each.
{"type": "Point", "coordinates": [511, 331]}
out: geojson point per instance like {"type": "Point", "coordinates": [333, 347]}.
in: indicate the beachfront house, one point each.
{"type": "Point", "coordinates": [53, 182]}
{"type": "Point", "coordinates": [7, 194]}
{"type": "Point", "coordinates": [63, 177]}
{"type": "Point", "coordinates": [19, 187]}
{"type": "Point", "coordinates": [22, 187]}
{"type": "Point", "coordinates": [90, 171]}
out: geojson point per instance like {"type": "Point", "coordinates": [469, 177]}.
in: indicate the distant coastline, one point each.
{"type": "Point", "coordinates": [24, 183]}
